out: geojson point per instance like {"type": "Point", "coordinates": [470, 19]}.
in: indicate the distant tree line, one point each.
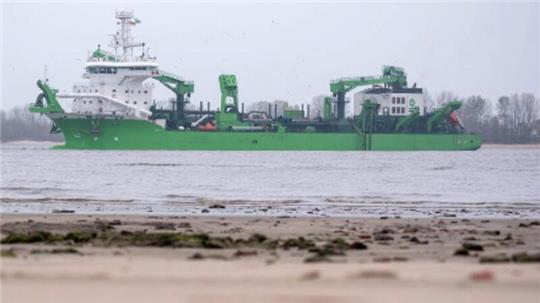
{"type": "Point", "coordinates": [512, 119]}
{"type": "Point", "coordinates": [19, 124]}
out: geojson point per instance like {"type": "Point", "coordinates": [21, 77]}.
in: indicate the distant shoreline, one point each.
{"type": "Point", "coordinates": [501, 145]}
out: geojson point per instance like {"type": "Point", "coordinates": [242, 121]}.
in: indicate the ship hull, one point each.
{"type": "Point", "coordinates": [131, 134]}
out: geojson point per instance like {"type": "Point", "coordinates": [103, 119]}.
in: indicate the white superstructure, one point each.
{"type": "Point", "coordinates": [116, 80]}
{"type": "Point", "coordinates": [400, 102]}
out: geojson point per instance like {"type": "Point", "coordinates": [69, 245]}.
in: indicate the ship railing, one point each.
{"type": "Point", "coordinates": [140, 112]}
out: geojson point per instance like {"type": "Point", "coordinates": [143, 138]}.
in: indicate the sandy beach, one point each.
{"type": "Point", "coordinates": [128, 258]}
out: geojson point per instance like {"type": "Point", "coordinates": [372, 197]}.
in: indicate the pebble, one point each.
{"type": "Point", "coordinates": [482, 276]}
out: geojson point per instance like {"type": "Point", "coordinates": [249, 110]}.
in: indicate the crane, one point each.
{"type": "Point", "coordinates": [229, 90]}
{"type": "Point", "coordinates": [182, 89]}
{"type": "Point", "coordinates": [392, 76]}
{"type": "Point", "coordinates": [227, 116]}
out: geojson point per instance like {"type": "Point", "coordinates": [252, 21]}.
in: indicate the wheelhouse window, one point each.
{"type": "Point", "coordinates": [101, 70]}
{"type": "Point", "coordinates": [138, 68]}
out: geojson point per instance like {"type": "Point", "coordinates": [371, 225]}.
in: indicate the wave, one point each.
{"type": "Point", "coordinates": [154, 164]}
{"type": "Point", "coordinates": [52, 200]}
{"type": "Point", "coordinates": [26, 189]}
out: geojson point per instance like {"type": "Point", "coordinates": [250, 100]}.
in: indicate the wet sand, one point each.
{"type": "Point", "coordinates": [338, 260]}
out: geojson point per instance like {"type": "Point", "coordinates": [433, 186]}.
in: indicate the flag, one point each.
{"type": "Point", "coordinates": [134, 21]}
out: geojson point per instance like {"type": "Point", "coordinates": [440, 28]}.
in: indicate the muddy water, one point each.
{"type": "Point", "coordinates": [491, 182]}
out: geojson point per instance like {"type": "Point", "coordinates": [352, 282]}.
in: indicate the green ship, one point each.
{"type": "Point", "coordinates": [115, 110]}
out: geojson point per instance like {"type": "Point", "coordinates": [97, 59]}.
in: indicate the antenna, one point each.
{"type": "Point", "coordinates": [123, 38]}
{"type": "Point", "coordinates": [45, 73]}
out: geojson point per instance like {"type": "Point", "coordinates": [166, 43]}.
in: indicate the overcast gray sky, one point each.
{"type": "Point", "coordinates": [284, 51]}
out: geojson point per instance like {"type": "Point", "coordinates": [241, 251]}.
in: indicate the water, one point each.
{"type": "Point", "coordinates": [491, 182]}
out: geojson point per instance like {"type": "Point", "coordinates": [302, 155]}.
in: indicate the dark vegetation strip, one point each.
{"type": "Point", "coordinates": [179, 240]}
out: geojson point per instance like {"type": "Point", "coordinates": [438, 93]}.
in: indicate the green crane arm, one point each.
{"type": "Point", "coordinates": [229, 89]}
{"type": "Point", "coordinates": [176, 84]}
{"type": "Point", "coordinates": [394, 76]}
{"type": "Point", "coordinates": [180, 88]}
{"type": "Point", "coordinates": [405, 121]}
{"type": "Point", "coordinates": [442, 113]}
{"type": "Point", "coordinates": [49, 94]}
{"type": "Point", "coordinates": [391, 75]}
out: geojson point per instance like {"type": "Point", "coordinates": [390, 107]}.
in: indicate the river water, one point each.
{"type": "Point", "coordinates": [491, 182]}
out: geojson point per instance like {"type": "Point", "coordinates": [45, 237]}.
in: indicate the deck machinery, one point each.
{"type": "Point", "coordinates": [229, 117]}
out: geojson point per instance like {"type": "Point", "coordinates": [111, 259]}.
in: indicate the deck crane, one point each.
{"type": "Point", "coordinates": [227, 117]}
{"type": "Point", "coordinates": [392, 76]}
{"type": "Point", "coordinates": [229, 92]}
{"type": "Point", "coordinates": [182, 89]}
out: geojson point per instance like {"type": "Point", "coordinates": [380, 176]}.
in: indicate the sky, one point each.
{"type": "Point", "coordinates": [280, 50]}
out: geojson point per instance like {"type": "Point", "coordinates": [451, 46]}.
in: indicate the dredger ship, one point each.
{"type": "Point", "coordinates": [114, 109]}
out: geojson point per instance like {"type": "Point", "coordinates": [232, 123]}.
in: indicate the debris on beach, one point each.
{"type": "Point", "coordinates": [482, 276]}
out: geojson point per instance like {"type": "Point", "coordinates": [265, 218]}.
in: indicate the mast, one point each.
{"type": "Point", "coordinates": [123, 39]}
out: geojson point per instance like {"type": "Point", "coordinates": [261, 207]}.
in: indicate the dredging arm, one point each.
{"type": "Point", "coordinates": [442, 114]}
{"type": "Point", "coordinates": [49, 96]}
{"type": "Point", "coordinates": [406, 121]}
